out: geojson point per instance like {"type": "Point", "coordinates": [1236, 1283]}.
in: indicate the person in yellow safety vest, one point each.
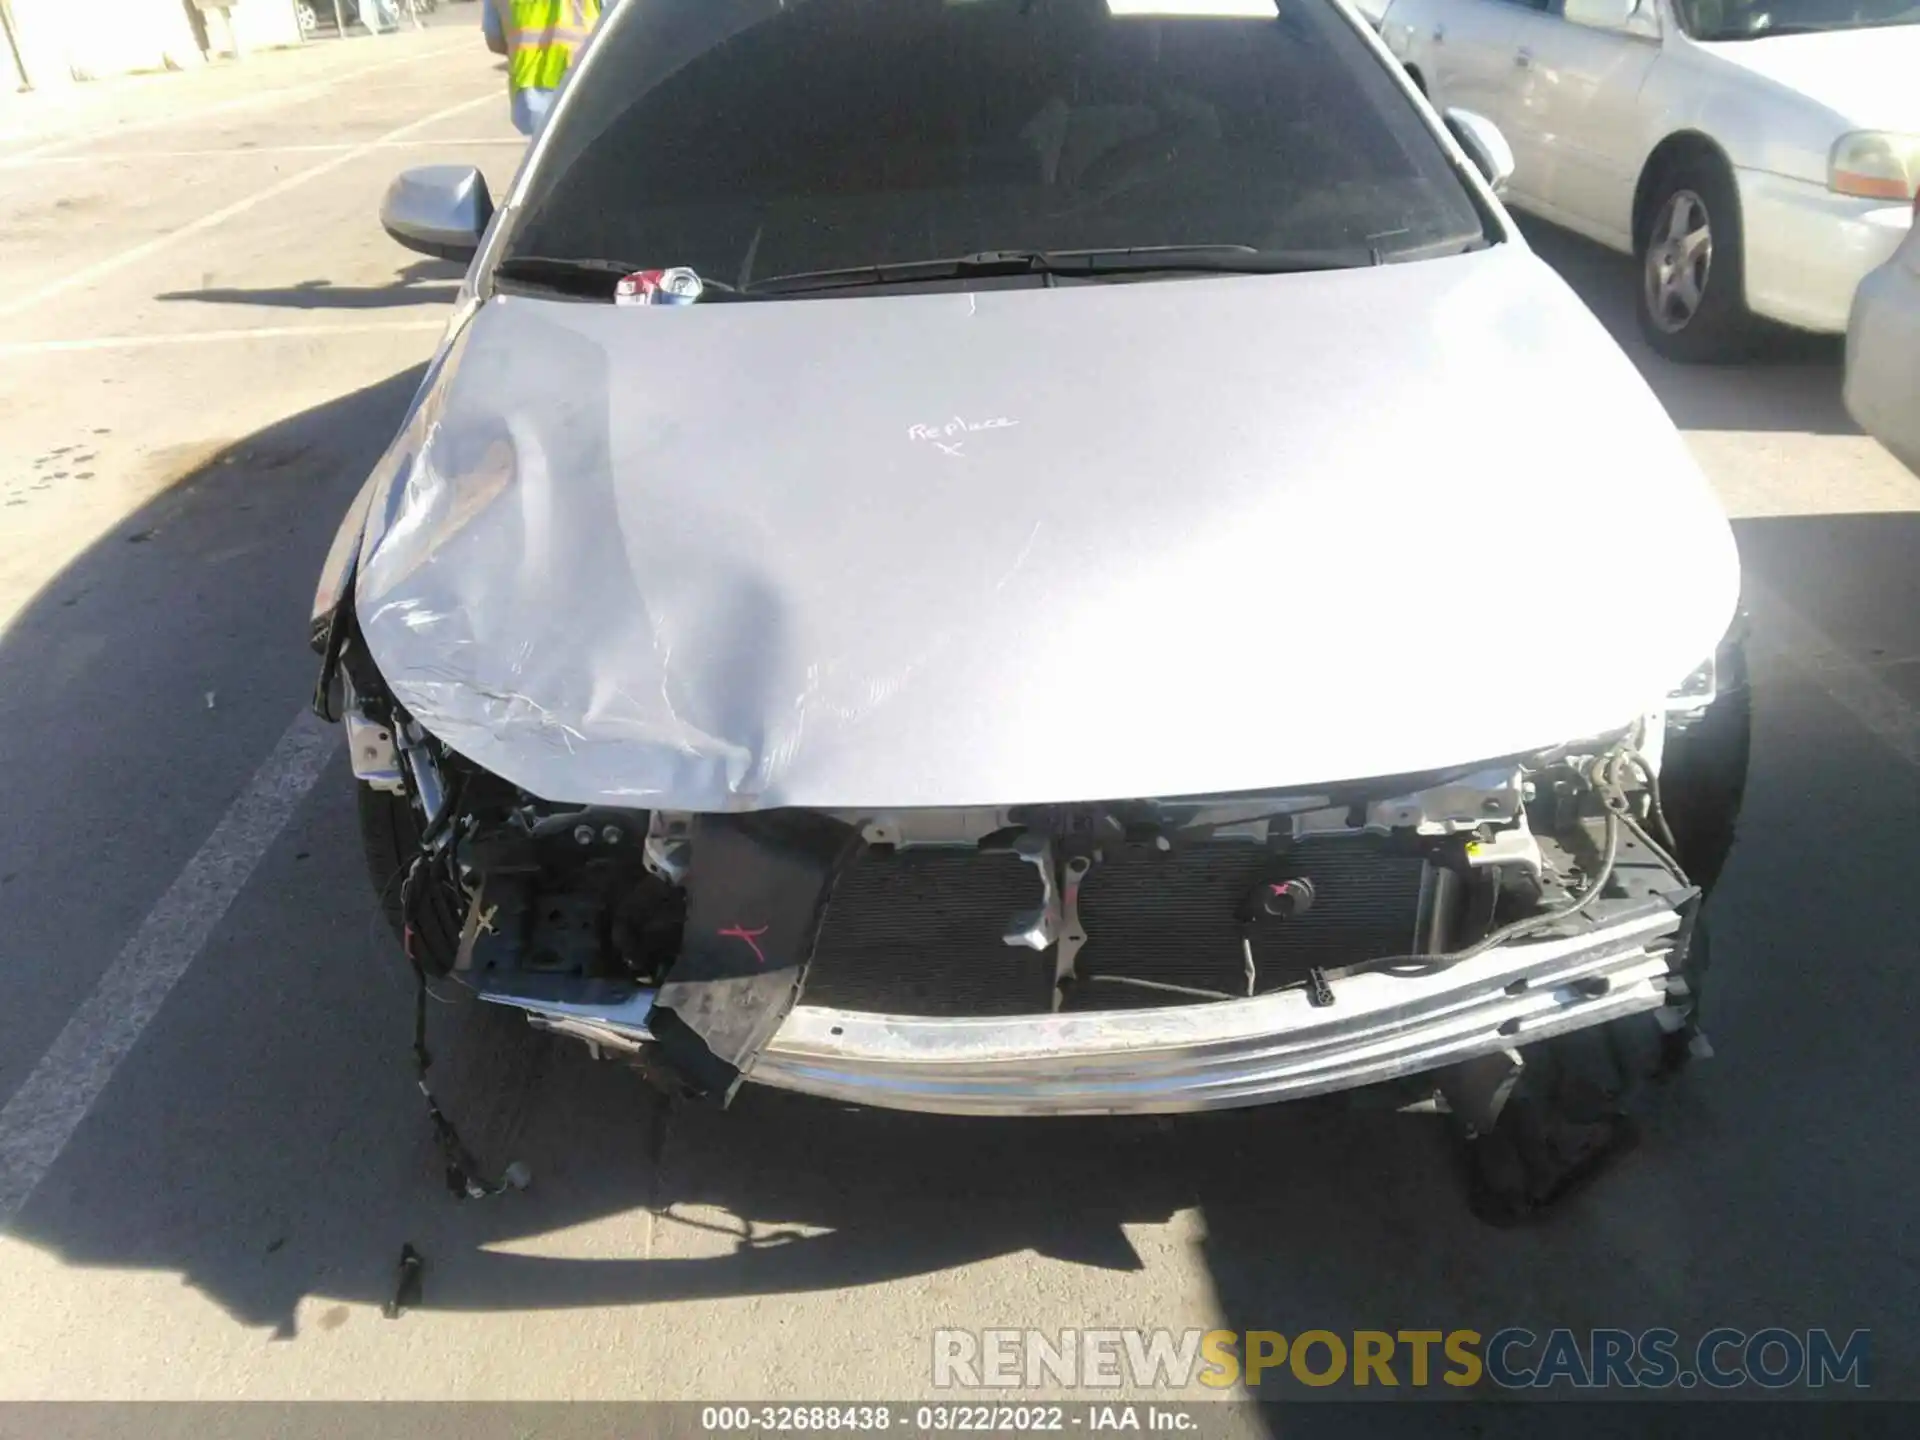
{"type": "Point", "coordinates": [540, 39]}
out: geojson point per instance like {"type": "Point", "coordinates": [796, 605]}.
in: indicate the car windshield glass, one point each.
{"type": "Point", "coordinates": [751, 139]}
{"type": "Point", "coordinates": [1757, 19]}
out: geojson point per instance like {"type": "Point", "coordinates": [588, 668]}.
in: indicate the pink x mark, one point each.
{"type": "Point", "coordinates": [752, 937]}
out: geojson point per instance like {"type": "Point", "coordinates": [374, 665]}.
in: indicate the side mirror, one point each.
{"type": "Point", "coordinates": [1484, 144]}
{"type": "Point", "coordinates": [438, 210]}
{"type": "Point", "coordinates": [1600, 14]}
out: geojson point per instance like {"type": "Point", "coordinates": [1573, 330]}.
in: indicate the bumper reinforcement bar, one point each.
{"type": "Point", "coordinates": [1381, 1026]}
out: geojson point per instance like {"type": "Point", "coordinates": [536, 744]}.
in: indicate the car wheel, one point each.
{"type": "Point", "coordinates": [390, 839]}
{"type": "Point", "coordinates": [307, 16]}
{"type": "Point", "coordinates": [1692, 301]}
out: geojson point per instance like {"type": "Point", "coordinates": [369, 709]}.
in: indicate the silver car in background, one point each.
{"type": "Point", "coordinates": [1041, 557]}
{"type": "Point", "coordinates": [1883, 352]}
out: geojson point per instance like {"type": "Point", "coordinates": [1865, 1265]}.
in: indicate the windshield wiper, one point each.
{"type": "Point", "coordinates": [594, 279]}
{"type": "Point", "coordinates": [1128, 260]}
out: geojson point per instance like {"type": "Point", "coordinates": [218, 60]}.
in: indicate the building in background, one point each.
{"type": "Point", "coordinates": [53, 42]}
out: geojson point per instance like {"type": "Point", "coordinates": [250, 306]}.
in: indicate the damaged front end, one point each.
{"type": "Point", "coordinates": [742, 736]}
{"type": "Point", "coordinates": [1146, 955]}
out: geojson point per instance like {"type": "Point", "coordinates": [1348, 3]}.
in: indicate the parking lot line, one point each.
{"type": "Point", "coordinates": [138, 157]}
{"type": "Point", "coordinates": [86, 275]}
{"type": "Point", "coordinates": [10, 350]}
{"type": "Point", "coordinates": [43, 1114]}
{"type": "Point", "coordinates": [224, 107]}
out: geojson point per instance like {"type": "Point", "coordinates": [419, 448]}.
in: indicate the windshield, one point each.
{"type": "Point", "coordinates": [748, 139]}
{"type": "Point", "coordinates": [1755, 19]}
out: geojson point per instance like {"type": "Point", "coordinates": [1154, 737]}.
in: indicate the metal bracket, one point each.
{"type": "Point", "coordinates": [1073, 934]}
{"type": "Point", "coordinates": [370, 747]}
{"type": "Point", "coordinates": [668, 852]}
{"type": "Point", "coordinates": [1037, 929]}
{"type": "Point", "coordinates": [1465, 803]}
{"type": "Point", "coordinates": [424, 771]}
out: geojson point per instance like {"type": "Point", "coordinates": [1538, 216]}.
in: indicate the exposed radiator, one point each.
{"type": "Point", "coordinates": [917, 931]}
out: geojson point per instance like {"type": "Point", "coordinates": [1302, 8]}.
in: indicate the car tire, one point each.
{"type": "Point", "coordinates": [390, 839]}
{"type": "Point", "coordinates": [1691, 293]}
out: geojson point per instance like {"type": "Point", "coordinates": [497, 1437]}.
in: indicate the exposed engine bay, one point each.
{"type": "Point", "coordinates": [718, 927]}
{"type": "Point", "coordinates": [944, 912]}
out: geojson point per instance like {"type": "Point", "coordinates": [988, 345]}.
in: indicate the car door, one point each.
{"type": "Point", "coordinates": [1576, 126]}
{"type": "Point", "coordinates": [1460, 50]}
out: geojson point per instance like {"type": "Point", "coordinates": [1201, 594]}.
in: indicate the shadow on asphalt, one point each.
{"type": "Point", "coordinates": [264, 1141]}
{"type": "Point", "coordinates": [425, 282]}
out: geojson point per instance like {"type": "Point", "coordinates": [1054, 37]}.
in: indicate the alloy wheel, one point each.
{"type": "Point", "coordinates": [1679, 258]}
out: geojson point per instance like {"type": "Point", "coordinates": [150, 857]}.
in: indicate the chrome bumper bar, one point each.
{"type": "Point", "coordinates": [1192, 1057]}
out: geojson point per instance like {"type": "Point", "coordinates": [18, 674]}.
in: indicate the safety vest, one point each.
{"type": "Point", "coordinates": [546, 35]}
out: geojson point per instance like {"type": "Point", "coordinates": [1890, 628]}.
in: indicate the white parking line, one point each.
{"type": "Point", "coordinates": [240, 102]}
{"type": "Point", "coordinates": [86, 275]}
{"type": "Point", "coordinates": [10, 350]}
{"type": "Point", "coordinates": [43, 1114]}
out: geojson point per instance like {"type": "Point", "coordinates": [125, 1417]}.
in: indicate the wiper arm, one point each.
{"type": "Point", "coordinates": [1202, 259]}
{"type": "Point", "coordinates": [1126, 260]}
{"type": "Point", "coordinates": [595, 279]}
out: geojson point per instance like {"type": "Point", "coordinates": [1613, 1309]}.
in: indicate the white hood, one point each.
{"type": "Point", "coordinates": [1870, 78]}
{"type": "Point", "coordinates": [1038, 545]}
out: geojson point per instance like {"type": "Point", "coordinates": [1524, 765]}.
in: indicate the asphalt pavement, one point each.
{"type": "Point", "coordinates": [211, 1150]}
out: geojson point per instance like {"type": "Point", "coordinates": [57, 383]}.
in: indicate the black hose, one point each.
{"type": "Point", "coordinates": [1605, 778]}
{"type": "Point", "coordinates": [1527, 924]}
{"type": "Point", "coordinates": [1665, 850]}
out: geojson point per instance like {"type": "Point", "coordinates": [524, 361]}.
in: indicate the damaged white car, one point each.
{"type": "Point", "coordinates": [1107, 579]}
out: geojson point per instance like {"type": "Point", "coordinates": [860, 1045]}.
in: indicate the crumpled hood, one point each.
{"type": "Point", "coordinates": [1036, 545]}
{"type": "Point", "coordinates": [1869, 77]}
